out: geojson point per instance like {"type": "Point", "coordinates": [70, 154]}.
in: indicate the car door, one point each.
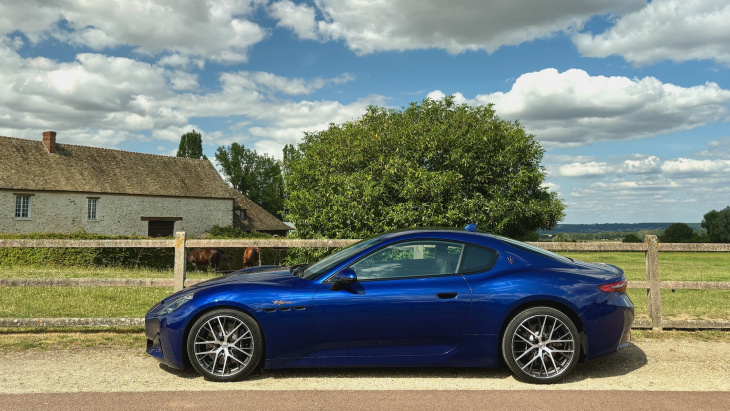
{"type": "Point", "coordinates": [408, 300]}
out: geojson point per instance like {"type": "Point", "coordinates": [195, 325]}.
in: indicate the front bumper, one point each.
{"type": "Point", "coordinates": [166, 334]}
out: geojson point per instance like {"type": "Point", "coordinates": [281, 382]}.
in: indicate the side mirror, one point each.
{"type": "Point", "coordinates": [346, 276]}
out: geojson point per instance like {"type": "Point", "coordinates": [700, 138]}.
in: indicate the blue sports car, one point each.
{"type": "Point", "coordinates": [452, 298]}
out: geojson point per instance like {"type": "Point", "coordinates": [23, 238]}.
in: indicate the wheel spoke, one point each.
{"type": "Point", "coordinates": [528, 330]}
{"type": "Point", "coordinates": [247, 335]}
{"type": "Point", "coordinates": [525, 353]}
{"type": "Point", "coordinates": [242, 351]}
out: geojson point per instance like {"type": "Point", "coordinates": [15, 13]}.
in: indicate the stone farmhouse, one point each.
{"type": "Point", "coordinates": [63, 188]}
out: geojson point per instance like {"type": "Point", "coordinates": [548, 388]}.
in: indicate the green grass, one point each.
{"type": "Point", "coordinates": [688, 304]}
{"type": "Point", "coordinates": [94, 272]}
{"type": "Point", "coordinates": [79, 302]}
{"type": "Point", "coordinates": [672, 266]}
{"type": "Point", "coordinates": [71, 338]}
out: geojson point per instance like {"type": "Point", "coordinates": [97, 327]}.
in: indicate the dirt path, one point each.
{"type": "Point", "coordinates": [669, 365]}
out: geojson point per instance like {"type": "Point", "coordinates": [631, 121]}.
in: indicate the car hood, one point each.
{"type": "Point", "coordinates": [270, 275]}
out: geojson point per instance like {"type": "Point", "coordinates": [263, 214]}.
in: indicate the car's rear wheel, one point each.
{"type": "Point", "coordinates": [541, 345]}
{"type": "Point", "coordinates": [225, 345]}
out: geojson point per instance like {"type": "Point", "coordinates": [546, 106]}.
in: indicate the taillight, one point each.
{"type": "Point", "coordinates": [618, 286]}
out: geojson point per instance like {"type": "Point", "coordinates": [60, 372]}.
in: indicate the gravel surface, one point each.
{"type": "Point", "coordinates": [669, 365]}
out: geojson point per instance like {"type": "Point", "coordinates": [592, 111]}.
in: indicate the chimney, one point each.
{"type": "Point", "coordinates": [49, 140]}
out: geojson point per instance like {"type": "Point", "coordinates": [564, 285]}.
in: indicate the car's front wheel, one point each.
{"type": "Point", "coordinates": [541, 345]}
{"type": "Point", "coordinates": [225, 345]}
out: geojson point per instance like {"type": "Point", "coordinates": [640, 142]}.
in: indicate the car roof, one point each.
{"type": "Point", "coordinates": [426, 232]}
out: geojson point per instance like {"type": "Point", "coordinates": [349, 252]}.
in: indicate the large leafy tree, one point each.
{"type": "Point", "coordinates": [257, 176]}
{"type": "Point", "coordinates": [678, 233]}
{"type": "Point", "coordinates": [191, 145]}
{"type": "Point", "coordinates": [717, 224]}
{"type": "Point", "coordinates": [431, 164]}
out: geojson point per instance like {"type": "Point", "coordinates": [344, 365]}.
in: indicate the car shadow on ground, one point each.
{"type": "Point", "coordinates": [620, 363]}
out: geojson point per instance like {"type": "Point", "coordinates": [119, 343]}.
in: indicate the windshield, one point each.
{"type": "Point", "coordinates": [317, 269]}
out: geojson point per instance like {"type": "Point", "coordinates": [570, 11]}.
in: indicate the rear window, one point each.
{"type": "Point", "coordinates": [477, 259]}
{"type": "Point", "coordinates": [532, 249]}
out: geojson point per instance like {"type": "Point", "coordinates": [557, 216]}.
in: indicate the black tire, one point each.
{"type": "Point", "coordinates": [225, 345]}
{"type": "Point", "coordinates": [541, 345]}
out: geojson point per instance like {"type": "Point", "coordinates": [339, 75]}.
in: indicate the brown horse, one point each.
{"type": "Point", "coordinates": [251, 257]}
{"type": "Point", "coordinates": [206, 256]}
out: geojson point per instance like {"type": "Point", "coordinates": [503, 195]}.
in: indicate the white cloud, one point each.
{"type": "Point", "coordinates": [639, 187]}
{"type": "Point", "coordinates": [584, 169]}
{"type": "Point", "coordinates": [719, 148]}
{"type": "Point", "coordinates": [218, 30]}
{"type": "Point", "coordinates": [272, 83]}
{"type": "Point", "coordinates": [692, 166]}
{"type": "Point", "coordinates": [573, 108]}
{"type": "Point", "coordinates": [102, 100]}
{"type": "Point", "coordinates": [641, 165]}
{"type": "Point", "coordinates": [299, 18]}
{"type": "Point", "coordinates": [677, 30]}
{"type": "Point", "coordinates": [455, 26]}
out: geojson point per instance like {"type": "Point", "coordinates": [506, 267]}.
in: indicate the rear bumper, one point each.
{"type": "Point", "coordinates": [608, 324]}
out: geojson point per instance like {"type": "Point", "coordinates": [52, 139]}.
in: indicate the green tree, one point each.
{"type": "Point", "coordinates": [677, 233]}
{"type": "Point", "coordinates": [632, 238]}
{"type": "Point", "coordinates": [434, 163]}
{"type": "Point", "coordinates": [717, 224]}
{"type": "Point", "coordinates": [257, 176]}
{"type": "Point", "coordinates": [191, 145]}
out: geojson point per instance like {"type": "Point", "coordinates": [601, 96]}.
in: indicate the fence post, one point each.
{"type": "Point", "coordinates": [180, 261]}
{"type": "Point", "coordinates": [654, 293]}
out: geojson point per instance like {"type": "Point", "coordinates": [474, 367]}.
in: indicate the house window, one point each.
{"type": "Point", "coordinates": [240, 213]}
{"type": "Point", "coordinates": [22, 206]}
{"type": "Point", "coordinates": [91, 204]}
{"type": "Point", "coordinates": [160, 228]}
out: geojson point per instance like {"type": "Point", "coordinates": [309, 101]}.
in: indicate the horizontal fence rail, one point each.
{"type": "Point", "coordinates": [650, 247]}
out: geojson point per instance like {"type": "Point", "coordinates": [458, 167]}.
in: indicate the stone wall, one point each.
{"type": "Point", "coordinates": [116, 214]}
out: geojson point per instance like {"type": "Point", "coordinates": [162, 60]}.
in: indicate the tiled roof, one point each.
{"type": "Point", "coordinates": [256, 217]}
{"type": "Point", "coordinates": [27, 165]}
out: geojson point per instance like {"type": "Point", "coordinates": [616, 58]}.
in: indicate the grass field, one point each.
{"type": "Point", "coordinates": [90, 302]}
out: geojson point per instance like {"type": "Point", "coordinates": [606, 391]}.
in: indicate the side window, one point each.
{"type": "Point", "coordinates": [22, 207]}
{"type": "Point", "coordinates": [477, 259]}
{"type": "Point", "coordinates": [91, 204]}
{"type": "Point", "coordinates": [410, 259]}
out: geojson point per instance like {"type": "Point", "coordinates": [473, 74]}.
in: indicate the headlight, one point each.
{"type": "Point", "coordinates": [176, 304]}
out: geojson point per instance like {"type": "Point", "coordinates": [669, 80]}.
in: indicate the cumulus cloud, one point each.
{"type": "Point", "coordinates": [693, 166]}
{"type": "Point", "coordinates": [677, 30]}
{"type": "Point", "coordinates": [627, 188]}
{"type": "Point", "coordinates": [272, 83]}
{"type": "Point", "coordinates": [103, 100]}
{"type": "Point", "coordinates": [719, 148]}
{"type": "Point", "coordinates": [574, 108]}
{"type": "Point", "coordinates": [455, 26]}
{"type": "Point", "coordinates": [219, 30]}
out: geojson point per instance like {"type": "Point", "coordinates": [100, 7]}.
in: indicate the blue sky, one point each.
{"type": "Point", "coordinates": [629, 98]}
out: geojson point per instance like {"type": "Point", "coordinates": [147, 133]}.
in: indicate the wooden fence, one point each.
{"type": "Point", "coordinates": [650, 247]}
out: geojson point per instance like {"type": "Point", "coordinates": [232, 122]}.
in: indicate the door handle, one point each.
{"type": "Point", "coordinates": [446, 296]}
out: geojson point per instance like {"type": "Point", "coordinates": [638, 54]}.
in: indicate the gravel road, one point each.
{"type": "Point", "coordinates": [668, 365]}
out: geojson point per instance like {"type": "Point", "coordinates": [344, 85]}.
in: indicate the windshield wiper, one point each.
{"type": "Point", "coordinates": [298, 269]}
